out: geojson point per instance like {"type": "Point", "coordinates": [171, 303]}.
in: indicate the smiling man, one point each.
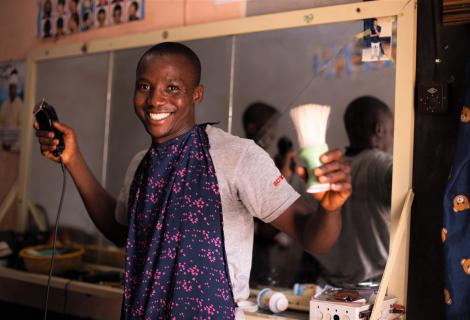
{"type": "Point", "coordinates": [186, 208]}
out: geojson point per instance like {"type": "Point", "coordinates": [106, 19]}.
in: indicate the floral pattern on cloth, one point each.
{"type": "Point", "coordinates": [176, 266]}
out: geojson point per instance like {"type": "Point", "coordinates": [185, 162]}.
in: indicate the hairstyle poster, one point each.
{"type": "Point", "coordinates": [57, 18]}
{"type": "Point", "coordinates": [377, 44]}
{"type": "Point", "coordinates": [12, 77]}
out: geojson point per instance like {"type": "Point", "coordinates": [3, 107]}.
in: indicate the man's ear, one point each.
{"type": "Point", "coordinates": [379, 129]}
{"type": "Point", "coordinates": [198, 94]}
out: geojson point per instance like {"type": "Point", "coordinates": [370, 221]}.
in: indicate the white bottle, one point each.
{"type": "Point", "coordinates": [272, 300]}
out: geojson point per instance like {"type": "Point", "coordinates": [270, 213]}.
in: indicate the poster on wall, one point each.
{"type": "Point", "coordinates": [57, 18]}
{"type": "Point", "coordinates": [12, 77]}
{"type": "Point", "coordinates": [377, 39]}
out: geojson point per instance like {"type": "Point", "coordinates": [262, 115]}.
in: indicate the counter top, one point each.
{"type": "Point", "coordinates": [84, 299]}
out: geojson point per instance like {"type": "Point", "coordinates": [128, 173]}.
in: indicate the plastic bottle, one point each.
{"type": "Point", "coordinates": [272, 300]}
{"type": "Point", "coordinates": [305, 289]}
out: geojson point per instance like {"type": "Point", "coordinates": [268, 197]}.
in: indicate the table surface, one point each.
{"type": "Point", "coordinates": [89, 291]}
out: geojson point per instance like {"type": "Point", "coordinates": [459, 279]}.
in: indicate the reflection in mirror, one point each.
{"type": "Point", "coordinates": [278, 70]}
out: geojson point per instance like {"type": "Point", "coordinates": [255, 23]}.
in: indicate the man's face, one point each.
{"type": "Point", "coordinates": [132, 10]}
{"type": "Point", "coordinates": [87, 4]}
{"type": "Point", "coordinates": [117, 16]}
{"type": "Point", "coordinates": [60, 9]}
{"type": "Point", "coordinates": [72, 25]}
{"type": "Point", "coordinates": [72, 7]}
{"type": "Point", "coordinates": [47, 7]}
{"type": "Point", "coordinates": [101, 18]}
{"type": "Point", "coordinates": [165, 95]}
{"type": "Point", "coordinates": [386, 137]}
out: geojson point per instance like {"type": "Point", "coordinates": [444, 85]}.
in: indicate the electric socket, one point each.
{"type": "Point", "coordinates": [432, 97]}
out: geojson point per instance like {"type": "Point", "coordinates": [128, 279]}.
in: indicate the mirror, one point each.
{"type": "Point", "coordinates": [321, 65]}
{"type": "Point", "coordinates": [103, 78]}
{"type": "Point", "coordinates": [282, 68]}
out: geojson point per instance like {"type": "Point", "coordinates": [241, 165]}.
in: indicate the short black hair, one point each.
{"type": "Point", "coordinates": [135, 4]}
{"type": "Point", "coordinates": [258, 114]}
{"type": "Point", "coordinates": [361, 118]}
{"type": "Point", "coordinates": [117, 8]}
{"type": "Point", "coordinates": [101, 11]}
{"type": "Point", "coordinates": [175, 48]}
{"type": "Point", "coordinates": [60, 23]}
{"type": "Point", "coordinates": [47, 27]}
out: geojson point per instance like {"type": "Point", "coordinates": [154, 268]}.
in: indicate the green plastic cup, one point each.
{"type": "Point", "coordinates": [311, 155]}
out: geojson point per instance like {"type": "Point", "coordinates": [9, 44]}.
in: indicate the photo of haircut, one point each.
{"type": "Point", "coordinates": [47, 9]}
{"type": "Point", "coordinates": [11, 103]}
{"type": "Point", "coordinates": [117, 14]}
{"type": "Point", "coordinates": [101, 19]}
{"type": "Point", "coordinates": [377, 39]}
{"type": "Point", "coordinates": [73, 6]}
{"type": "Point", "coordinates": [60, 7]}
{"type": "Point", "coordinates": [60, 27]}
{"type": "Point", "coordinates": [47, 29]}
{"type": "Point", "coordinates": [71, 16]}
{"type": "Point", "coordinates": [73, 25]}
{"type": "Point", "coordinates": [87, 21]}
{"type": "Point", "coordinates": [133, 11]}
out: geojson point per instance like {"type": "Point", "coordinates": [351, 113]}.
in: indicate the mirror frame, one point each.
{"type": "Point", "coordinates": [403, 10]}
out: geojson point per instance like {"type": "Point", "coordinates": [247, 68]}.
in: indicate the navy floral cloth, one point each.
{"type": "Point", "coordinates": [176, 266]}
{"type": "Point", "coordinates": [456, 231]}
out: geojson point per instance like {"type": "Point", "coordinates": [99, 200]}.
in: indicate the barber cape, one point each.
{"type": "Point", "coordinates": [456, 231]}
{"type": "Point", "coordinates": [176, 267]}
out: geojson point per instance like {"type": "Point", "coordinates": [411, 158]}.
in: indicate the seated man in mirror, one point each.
{"type": "Point", "coordinates": [361, 252]}
{"type": "Point", "coordinates": [185, 212]}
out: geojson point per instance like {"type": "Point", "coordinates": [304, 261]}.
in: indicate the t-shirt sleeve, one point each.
{"type": "Point", "coordinates": [122, 200]}
{"type": "Point", "coordinates": [262, 189]}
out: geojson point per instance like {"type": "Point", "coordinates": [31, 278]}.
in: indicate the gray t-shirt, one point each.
{"type": "Point", "coordinates": [250, 186]}
{"type": "Point", "coordinates": [361, 252]}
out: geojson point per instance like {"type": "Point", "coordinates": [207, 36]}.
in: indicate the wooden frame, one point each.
{"type": "Point", "coordinates": [404, 10]}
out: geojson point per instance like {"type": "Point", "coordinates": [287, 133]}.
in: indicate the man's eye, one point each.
{"type": "Point", "coordinates": [143, 86]}
{"type": "Point", "coordinates": [172, 88]}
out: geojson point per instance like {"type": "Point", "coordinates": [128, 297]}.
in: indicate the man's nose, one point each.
{"type": "Point", "coordinates": [157, 97]}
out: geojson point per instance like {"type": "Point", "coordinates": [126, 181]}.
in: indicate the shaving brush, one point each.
{"type": "Point", "coordinates": [310, 122]}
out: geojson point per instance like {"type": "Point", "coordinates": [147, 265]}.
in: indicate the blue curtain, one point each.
{"type": "Point", "coordinates": [456, 231]}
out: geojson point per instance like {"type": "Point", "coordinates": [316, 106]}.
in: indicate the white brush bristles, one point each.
{"type": "Point", "coordinates": [310, 121]}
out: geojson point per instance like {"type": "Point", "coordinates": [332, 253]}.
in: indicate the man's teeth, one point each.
{"type": "Point", "coordinates": [158, 116]}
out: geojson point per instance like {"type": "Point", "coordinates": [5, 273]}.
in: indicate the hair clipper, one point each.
{"type": "Point", "coordinates": [45, 116]}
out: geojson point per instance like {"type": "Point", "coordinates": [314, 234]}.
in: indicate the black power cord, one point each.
{"type": "Point", "coordinates": [54, 238]}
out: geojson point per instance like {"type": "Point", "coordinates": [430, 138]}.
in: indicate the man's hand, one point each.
{"type": "Point", "coordinates": [48, 143]}
{"type": "Point", "coordinates": [338, 173]}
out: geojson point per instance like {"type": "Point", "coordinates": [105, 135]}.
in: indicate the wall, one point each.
{"type": "Point", "coordinates": [18, 31]}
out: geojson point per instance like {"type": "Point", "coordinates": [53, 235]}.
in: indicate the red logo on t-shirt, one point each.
{"type": "Point", "coordinates": [278, 180]}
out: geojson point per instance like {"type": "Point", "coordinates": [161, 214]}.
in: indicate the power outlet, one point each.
{"type": "Point", "coordinates": [432, 97]}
